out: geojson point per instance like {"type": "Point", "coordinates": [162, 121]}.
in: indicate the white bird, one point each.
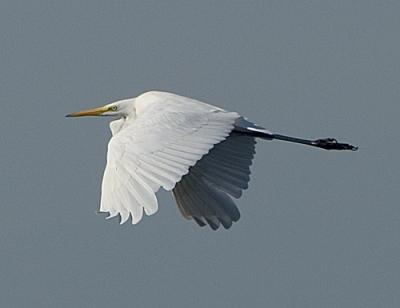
{"type": "Point", "coordinates": [200, 152]}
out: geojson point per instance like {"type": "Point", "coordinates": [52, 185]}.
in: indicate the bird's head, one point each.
{"type": "Point", "coordinates": [117, 109]}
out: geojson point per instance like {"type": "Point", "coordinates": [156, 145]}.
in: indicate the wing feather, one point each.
{"type": "Point", "coordinates": [204, 194]}
{"type": "Point", "coordinates": [155, 149]}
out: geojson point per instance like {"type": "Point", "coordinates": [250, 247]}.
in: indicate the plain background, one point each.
{"type": "Point", "coordinates": [318, 228]}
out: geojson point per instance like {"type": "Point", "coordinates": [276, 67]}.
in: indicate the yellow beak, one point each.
{"type": "Point", "coordinates": [89, 112]}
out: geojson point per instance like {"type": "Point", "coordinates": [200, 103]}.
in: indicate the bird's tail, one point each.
{"type": "Point", "coordinates": [248, 128]}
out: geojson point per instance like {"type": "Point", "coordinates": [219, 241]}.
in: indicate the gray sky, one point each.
{"type": "Point", "coordinates": [318, 228]}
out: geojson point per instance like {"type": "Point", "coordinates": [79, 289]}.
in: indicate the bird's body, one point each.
{"type": "Point", "coordinates": [200, 152]}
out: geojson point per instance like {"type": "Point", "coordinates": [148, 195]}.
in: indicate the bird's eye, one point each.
{"type": "Point", "coordinates": [113, 108]}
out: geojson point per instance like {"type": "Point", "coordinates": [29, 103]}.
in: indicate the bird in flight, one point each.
{"type": "Point", "coordinates": [198, 151]}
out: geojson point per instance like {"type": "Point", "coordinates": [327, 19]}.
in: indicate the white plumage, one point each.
{"type": "Point", "coordinates": [200, 152]}
{"type": "Point", "coordinates": [155, 148]}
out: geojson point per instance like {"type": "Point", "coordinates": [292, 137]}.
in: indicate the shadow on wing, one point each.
{"type": "Point", "coordinates": [204, 194]}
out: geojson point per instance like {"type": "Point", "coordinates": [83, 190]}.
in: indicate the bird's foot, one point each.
{"type": "Point", "coordinates": [333, 144]}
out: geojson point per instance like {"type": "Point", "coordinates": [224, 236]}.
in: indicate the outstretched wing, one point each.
{"type": "Point", "coordinates": [168, 136]}
{"type": "Point", "coordinates": [204, 194]}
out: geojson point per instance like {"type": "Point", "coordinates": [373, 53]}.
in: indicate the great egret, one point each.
{"type": "Point", "coordinates": [200, 152]}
